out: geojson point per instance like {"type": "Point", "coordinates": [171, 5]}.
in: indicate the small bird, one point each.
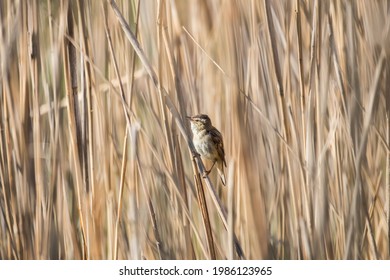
{"type": "Point", "coordinates": [208, 143]}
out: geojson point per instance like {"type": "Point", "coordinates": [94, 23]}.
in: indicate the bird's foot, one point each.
{"type": "Point", "coordinates": [195, 154]}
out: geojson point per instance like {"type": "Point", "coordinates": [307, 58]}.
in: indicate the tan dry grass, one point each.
{"type": "Point", "coordinates": [95, 158]}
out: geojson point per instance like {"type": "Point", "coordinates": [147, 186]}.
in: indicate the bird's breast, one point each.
{"type": "Point", "coordinates": [205, 147]}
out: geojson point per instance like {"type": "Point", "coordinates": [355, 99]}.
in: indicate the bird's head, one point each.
{"type": "Point", "coordinates": [199, 122]}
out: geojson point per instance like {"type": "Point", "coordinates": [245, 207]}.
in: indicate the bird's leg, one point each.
{"type": "Point", "coordinates": [207, 172]}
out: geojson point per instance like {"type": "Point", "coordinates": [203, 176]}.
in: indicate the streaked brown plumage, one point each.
{"type": "Point", "coordinates": [208, 143]}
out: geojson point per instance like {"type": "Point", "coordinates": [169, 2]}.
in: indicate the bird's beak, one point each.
{"type": "Point", "coordinates": [190, 118]}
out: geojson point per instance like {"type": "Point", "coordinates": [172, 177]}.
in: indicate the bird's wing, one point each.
{"type": "Point", "coordinates": [216, 136]}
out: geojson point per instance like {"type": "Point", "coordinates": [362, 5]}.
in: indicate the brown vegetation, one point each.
{"type": "Point", "coordinates": [95, 156]}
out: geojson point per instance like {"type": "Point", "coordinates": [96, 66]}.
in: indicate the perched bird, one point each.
{"type": "Point", "coordinates": [208, 143]}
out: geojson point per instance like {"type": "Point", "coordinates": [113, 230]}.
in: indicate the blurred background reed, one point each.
{"type": "Point", "coordinates": [94, 164]}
